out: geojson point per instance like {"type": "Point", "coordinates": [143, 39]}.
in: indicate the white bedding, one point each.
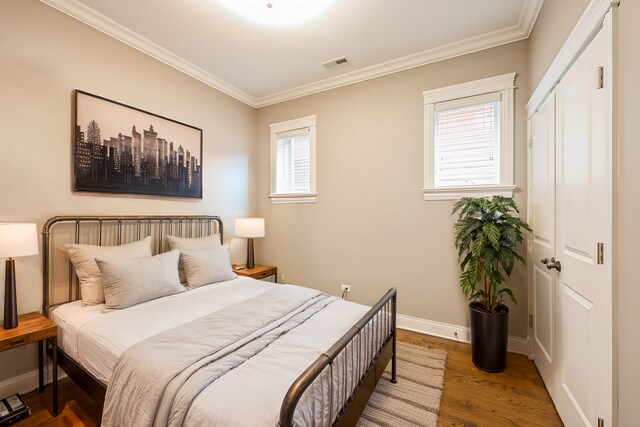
{"type": "Point", "coordinates": [96, 338]}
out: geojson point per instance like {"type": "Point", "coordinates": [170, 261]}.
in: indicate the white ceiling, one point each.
{"type": "Point", "coordinates": [262, 65]}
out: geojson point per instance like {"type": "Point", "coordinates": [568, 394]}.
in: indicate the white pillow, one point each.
{"type": "Point", "coordinates": [131, 282]}
{"type": "Point", "coordinates": [204, 266]}
{"type": "Point", "coordinates": [206, 242]}
{"type": "Point", "coordinates": [83, 259]}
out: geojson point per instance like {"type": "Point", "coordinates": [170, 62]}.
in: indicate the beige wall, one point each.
{"type": "Point", "coordinates": [627, 204]}
{"type": "Point", "coordinates": [553, 25]}
{"type": "Point", "coordinates": [556, 19]}
{"type": "Point", "coordinates": [370, 227]}
{"type": "Point", "coordinates": [44, 56]}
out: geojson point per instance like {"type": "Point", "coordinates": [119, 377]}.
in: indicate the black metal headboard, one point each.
{"type": "Point", "coordinates": [115, 230]}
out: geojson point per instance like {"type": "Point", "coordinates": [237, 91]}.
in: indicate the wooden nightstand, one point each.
{"type": "Point", "coordinates": [259, 272]}
{"type": "Point", "coordinates": [34, 327]}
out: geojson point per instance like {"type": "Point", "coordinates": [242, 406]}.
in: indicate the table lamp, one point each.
{"type": "Point", "coordinates": [16, 240]}
{"type": "Point", "coordinates": [250, 228]}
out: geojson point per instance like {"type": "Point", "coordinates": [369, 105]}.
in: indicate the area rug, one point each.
{"type": "Point", "coordinates": [415, 399]}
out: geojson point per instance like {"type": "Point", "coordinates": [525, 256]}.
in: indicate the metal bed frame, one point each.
{"type": "Point", "coordinates": [372, 339]}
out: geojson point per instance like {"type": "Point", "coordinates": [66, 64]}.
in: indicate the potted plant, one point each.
{"type": "Point", "coordinates": [487, 235]}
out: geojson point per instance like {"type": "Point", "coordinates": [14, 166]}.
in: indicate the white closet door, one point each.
{"type": "Point", "coordinates": [542, 240]}
{"type": "Point", "coordinates": [583, 378]}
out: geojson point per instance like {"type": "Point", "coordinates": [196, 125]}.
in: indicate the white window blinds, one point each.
{"type": "Point", "coordinates": [467, 141]}
{"type": "Point", "coordinates": [293, 162]}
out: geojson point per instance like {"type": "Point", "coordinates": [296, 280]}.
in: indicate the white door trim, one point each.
{"type": "Point", "coordinates": [587, 27]}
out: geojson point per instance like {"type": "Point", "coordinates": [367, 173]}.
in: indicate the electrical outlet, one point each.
{"type": "Point", "coordinates": [282, 279]}
{"type": "Point", "coordinates": [345, 288]}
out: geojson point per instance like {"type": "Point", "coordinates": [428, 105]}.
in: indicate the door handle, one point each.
{"type": "Point", "coordinates": [552, 263]}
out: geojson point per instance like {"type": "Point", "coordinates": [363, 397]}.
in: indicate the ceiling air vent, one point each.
{"type": "Point", "coordinates": [335, 62]}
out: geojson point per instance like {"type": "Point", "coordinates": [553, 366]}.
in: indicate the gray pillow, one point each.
{"type": "Point", "coordinates": [137, 280]}
{"type": "Point", "coordinates": [83, 259]}
{"type": "Point", "coordinates": [206, 242]}
{"type": "Point", "coordinates": [204, 266]}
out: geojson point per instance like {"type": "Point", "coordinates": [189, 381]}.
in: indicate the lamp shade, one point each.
{"type": "Point", "coordinates": [18, 240]}
{"type": "Point", "coordinates": [250, 227]}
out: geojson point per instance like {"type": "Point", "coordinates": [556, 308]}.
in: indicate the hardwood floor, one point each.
{"type": "Point", "coordinates": [76, 408]}
{"type": "Point", "coordinates": [471, 397]}
{"type": "Point", "coordinates": [515, 397]}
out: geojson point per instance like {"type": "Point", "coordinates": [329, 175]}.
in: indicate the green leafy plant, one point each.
{"type": "Point", "coordinates": [487, 234]}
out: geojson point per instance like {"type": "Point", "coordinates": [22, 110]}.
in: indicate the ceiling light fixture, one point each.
{"type": "Point", "coordinates": [278, 13]}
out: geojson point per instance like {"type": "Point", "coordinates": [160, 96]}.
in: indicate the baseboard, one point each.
{"type": "Point", "coordinates": [455, 332]}
{"type": "Point", "coordinates": [520, 346]}
{"type": "Point", "coordinates": [26, 382]}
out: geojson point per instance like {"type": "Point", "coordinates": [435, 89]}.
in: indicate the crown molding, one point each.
{"type": "Point", "coordinates": [463, 47]}
{"type": "Point", "coordinates": [88, 16]}
{"type": "Point", "coordinates": [529, 15]}
{"type": "Point", "coordinates": [520, 31]}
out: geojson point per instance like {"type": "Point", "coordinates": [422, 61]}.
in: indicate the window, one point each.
{"type": "Point", "coordinates": [469, 139]}
{"type": "Point", "coordinates": [293, 148]}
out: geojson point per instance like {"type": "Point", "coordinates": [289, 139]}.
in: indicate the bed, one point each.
{"type": "Point", "coordinates": [315, 361]}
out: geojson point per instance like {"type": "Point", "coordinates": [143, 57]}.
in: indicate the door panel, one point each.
{"type": "Point", "coordinates": [542, 243]}
{"type": "Point", "coordinates": [543, 285]}
{"type": "Point", "coordinates": [583, 219]}
{"type": "Point", "coordinates": [577, 386]}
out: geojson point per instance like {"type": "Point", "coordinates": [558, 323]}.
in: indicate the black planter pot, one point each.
{"type": "Point", "coordinates": [489, 337]}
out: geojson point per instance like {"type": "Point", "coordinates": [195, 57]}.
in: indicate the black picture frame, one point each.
{"type": "Point", "coordinates": [138, 153]}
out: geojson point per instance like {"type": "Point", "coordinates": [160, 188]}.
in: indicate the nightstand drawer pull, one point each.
{"type": "Point", "coordinates": [16, 342]}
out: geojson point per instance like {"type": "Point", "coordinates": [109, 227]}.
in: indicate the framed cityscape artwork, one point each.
{"type": "Point", "coordinates": [122, 149]}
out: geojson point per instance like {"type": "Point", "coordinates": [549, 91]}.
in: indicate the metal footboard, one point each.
{"type": "Point", "coordinates": [362, 349]}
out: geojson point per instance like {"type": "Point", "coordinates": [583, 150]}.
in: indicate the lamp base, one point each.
{"type": "Point", "coordinates": [250, 261]}
{"type": "Point", "coordinates": [10, 304]}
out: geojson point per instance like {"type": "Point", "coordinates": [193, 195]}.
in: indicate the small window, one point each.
{"type": "Point", "coordinates": [469, 139]}
{"type": "Point", "coordinates": [293, 161]}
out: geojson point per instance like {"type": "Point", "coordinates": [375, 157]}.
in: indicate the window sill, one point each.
{"type": "Point", "coordinates": [455, 193]}
{"type": "Point", "coordinates": [278, 199]}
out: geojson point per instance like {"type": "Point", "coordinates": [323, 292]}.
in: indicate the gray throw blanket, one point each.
{"type": "Point", "coordinates": [155, 381]}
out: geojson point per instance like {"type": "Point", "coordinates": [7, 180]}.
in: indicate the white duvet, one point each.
{"type": "Point", "coordinates": [249, 395]}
